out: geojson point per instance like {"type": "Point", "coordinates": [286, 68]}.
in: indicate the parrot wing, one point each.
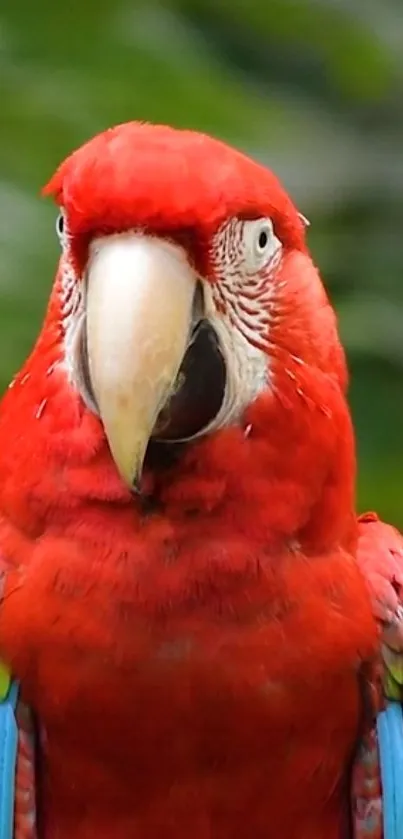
{"type": "Point", "coordinates": [380, 554]}
{"type": "Point", "coordinates": [17, 756]}
{"type": "Point", "coordinates": [377, 793]}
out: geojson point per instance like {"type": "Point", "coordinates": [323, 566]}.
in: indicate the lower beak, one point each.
{"type": "Point", "coordinates": [140, 293]}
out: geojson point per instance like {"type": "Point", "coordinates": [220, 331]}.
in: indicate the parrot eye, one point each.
{"type": "Point", "coordinates": [61, 227]}
{"type": "Point", "coordinates": [262, 240]}
{"type": "Point", "coordinates": [261, 244]}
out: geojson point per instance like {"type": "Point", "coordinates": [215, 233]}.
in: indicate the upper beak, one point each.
{"type": "Point", "coordinates": [140, 292]}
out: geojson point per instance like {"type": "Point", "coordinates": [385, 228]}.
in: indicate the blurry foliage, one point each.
{"type": "Point", "coordinates": [312, 88]}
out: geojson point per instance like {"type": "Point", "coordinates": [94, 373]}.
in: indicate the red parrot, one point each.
{"type": "Point", "coordinates": [186, 588]}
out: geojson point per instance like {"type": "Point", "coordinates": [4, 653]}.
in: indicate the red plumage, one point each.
{"type": "Point", "coordinates": [139, 175]}
{"type": "Point", "coordinates": [194, 663]}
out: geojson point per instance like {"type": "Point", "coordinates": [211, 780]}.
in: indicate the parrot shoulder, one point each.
{"type": "Point", "coordinates": [380, 557]}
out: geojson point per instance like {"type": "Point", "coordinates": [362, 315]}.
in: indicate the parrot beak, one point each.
{"type": "Point", "coordinates": [140, 297]}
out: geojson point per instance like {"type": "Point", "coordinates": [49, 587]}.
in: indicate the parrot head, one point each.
{"type": "Point", "coordinates": [186, 309]}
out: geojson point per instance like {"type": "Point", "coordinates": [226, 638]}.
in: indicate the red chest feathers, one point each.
{"type": "Point", "coordinates": [211, 689]}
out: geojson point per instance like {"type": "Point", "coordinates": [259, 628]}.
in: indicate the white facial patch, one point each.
{"type": "Point", "coordinates": [71, 298]}
{"type": "Point", "coordinates": [245, 257]}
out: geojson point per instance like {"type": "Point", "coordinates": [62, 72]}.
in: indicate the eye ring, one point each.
{"type": "Point", "coordinates": [262, 246]}
{"type": "Point", "coordinates": [263, 237]}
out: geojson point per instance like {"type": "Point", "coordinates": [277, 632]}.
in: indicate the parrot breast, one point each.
{"type": "Point", "coordinates": [188, 687]}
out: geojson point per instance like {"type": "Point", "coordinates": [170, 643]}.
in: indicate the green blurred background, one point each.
{"type": "Point", "coordinates": [313, 88]}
